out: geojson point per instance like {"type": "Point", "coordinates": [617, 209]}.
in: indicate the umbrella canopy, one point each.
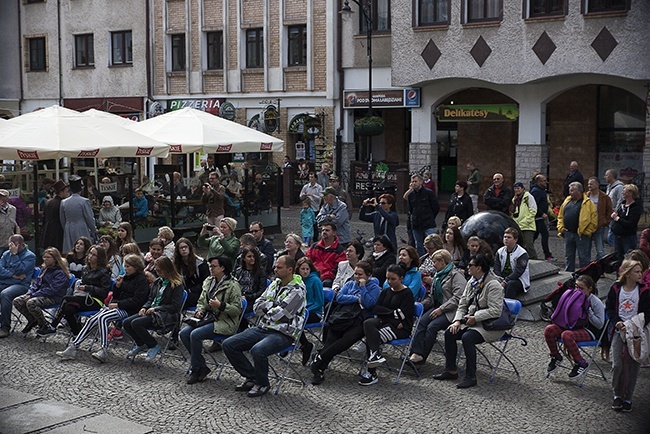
{"type": "Point", "coordinates": [190, 130]}
{"type": "Point", "coordinates": [57, 132]}
{"type": "Point", "coordinates": [99, 114]}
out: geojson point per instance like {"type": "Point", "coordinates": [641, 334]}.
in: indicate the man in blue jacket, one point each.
{"type": "Point", "coordinates": [16, 271]}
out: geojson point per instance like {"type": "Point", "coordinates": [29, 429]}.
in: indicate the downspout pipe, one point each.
{"type": "Point", "coordinates": [339, 69]}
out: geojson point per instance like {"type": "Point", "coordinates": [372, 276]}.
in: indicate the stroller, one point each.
{"type": "Point", "coordinates": [595, 269]}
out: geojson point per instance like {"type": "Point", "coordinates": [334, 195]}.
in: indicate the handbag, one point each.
{"type": "Point", "coordinates": [194, 322]}
{"type": "Point", "coordinates": [504, 322]}
{"type": "Point", "coordinates": [343, 316]}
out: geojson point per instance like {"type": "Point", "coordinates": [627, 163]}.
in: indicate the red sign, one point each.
{"type": "Point", "coordinates": [144, 152]}
{"type": "Point", "coordinates": [224, 148]}
{"type": "Point", "coordinates": [27, 155]}
{"type": "Point", "coordinates": [88, 154]}
{"type": "Point", "coordinates": [176, 148]}
{"type": "Point", "coordinates": [266, 146]}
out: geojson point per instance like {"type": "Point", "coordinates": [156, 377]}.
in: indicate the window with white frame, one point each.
{"type": "Point", "coordinates": [605, 6]}
{"type": "Point", "coordinates": [482, 10]}
{"type": "Point", "coordinates": [37, 55]}
{"type": "Point", "coordinates": [84, 54]}
{"type": "Point", "coordinates": [214, 45]}
{"type": "Point", "coordinates": [178, 52]}
{"type": "Point", "coordinates": [432, 12]}
{"type": "Point", "coordinates": [121, 48]}
{"type": "Point", "coordinates": [297, 45]}
{"type": "Point", "coordinates": [255, 48]}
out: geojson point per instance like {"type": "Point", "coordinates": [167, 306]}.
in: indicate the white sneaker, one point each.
{"type": "Point", "coordinates": [101, 355]}
{"type": "Point", "coordinates": [375, 359]}
{"type": "Point", "coordinates": [368, 379]}
{"type": "Point", "coordinates": [68, 354]}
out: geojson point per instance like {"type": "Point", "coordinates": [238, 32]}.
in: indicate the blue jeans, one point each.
{"type": "Point", "coordinates": [419, 235]}
{"type": "Point", "coordinates": [193, 338]}
{"type": "Point", "coordinates": [622, 245]}
{"type": "Point", "coordinates": [598, 238]}
{"type": "Point", "coordinates": [7, 296]}
{"type": "Point", "coordinates": [581, 243]}
{"type": "Point", "coordinates": [261, 344]}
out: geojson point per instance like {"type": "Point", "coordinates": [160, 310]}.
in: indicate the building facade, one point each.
{"type": "Point", "coordinates": [516, 87]}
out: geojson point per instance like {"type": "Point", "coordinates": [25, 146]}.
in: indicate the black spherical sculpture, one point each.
{"type": "Point", "coordinates": [489, 225]}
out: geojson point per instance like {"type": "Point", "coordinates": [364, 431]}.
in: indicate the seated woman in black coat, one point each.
{"type": "Point", "coordinates": [192, 268]}
{"type": "Point", "coordinates": [383, 256]}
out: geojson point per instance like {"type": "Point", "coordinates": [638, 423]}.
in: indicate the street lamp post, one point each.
{"type": "Point", "coordinates": [366, 10]}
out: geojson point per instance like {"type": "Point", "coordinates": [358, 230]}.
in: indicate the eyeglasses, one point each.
{"type": "Point", "coordinates": [211, 266]}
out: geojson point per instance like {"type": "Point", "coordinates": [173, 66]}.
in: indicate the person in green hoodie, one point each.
{"type": "Point", "coordinates": [281, 309]}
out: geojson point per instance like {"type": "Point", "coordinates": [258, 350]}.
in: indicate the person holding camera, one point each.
{"type": "Point", "coordinates": [213, 198]}
{"type": "Point", "coordinates": [220, 240]}
{"type": "Point", "coordinates": [384, 220]}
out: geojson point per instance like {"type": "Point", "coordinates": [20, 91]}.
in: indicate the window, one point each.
{"type": "Point", "coordinates": [483, 10]}
{"type": "Point", "coordinates": [84, 54]}
{"type": "Point", "coordinates": [297, 45]}
{"type": "Point", "coordinates": [37, 54]}
{"type": "Point", "coordinates": [254, 48]}
{"type": "Point", "coordinates": [432, 12]}
{"type": "Point", "coordinates": [178, 52]}
{"type": "Point", "coordinates": [121, 48]}
{"type": "Point", "coordinates": [600, 6]}
{"type": "Point", "coordinates": [380, 14]}
{"type": "Point", "coordinates": [545, 8]}
{"type": "Point", "coordinates": [215, 50]}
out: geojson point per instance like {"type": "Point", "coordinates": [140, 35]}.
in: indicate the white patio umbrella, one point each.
{"type": "Point", "coordinates": [99, 114]}
{"type": "Point", "coordinates": [190, 130]}
{"type": "Point", "coordinates": [57, 132]}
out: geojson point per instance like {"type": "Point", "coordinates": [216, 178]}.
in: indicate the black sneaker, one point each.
{"type": "Point", "coordinates": [28, 328]}
{"type": "Point", "coordinates": [46, 330]}
{"type": "Point", "coordinates": [245, 386]}
{"type": "Point", "coordinates": [553, 363]}
{"type": "Point", "coordinates": [375, 359]}
{"type": "Point", "coordinates": [258, 391]}
{"type": "Point", "coordinates": [578, 370]}
{"type": "Point", "coordinates": [617, 404]}
{"type": "Point", "coordinates": [306, 352]}
{"type": "Point", "coordinates": [203, 373]}
{"type": "Point", "coordinates": [368, 379]}
{"type": "Point", "coordinates": [194, 377]}
{"type": "Point", "coordinates": [627, 407]}
{"type": "Point", "coordinates": [319, 377]}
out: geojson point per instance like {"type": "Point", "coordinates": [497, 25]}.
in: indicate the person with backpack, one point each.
{"type": "Point", "coordinates": [579, 316]}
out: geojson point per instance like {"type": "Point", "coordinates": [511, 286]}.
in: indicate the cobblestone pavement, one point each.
{"type": "Point", "coordinates": [160, 399]}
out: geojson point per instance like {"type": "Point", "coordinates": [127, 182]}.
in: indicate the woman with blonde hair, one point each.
{"type": "Point", "coordinates": [129, 294]}
{"type": "Point", "coordinates": [166, 235]}
{"type": "Point", "coordinates": [161, 311]}
{"type": "Point", "coordinates": [47, 290]}
{"type": "Point", "coordinates": [131, 249]}
{"type": "Point", "coordinates": [221, 240]}
{"type": "Point", "coordinates": [292, 247]}
{"type": "Point", "coordinates": [626, 298]}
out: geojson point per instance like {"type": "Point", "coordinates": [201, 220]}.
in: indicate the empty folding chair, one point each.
{"type": "Point", "coordinates": [502, 345]}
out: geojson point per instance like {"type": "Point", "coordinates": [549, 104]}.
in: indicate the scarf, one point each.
{"type": "Point", "coordinates": [437, 283]}
{"type": "Point", "coordinates": [378, 255]}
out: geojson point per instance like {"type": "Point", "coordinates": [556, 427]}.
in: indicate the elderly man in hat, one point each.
{"type": "Point", "coordinates": [335, 211]}
{"type": "Point", "coordinates": [52, 227]}
{"type": "Point", "coordinates": [76, 214]}
{"type": "Point", "coordinates": [8, 225]}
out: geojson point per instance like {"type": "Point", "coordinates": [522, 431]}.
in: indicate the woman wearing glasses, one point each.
{"type": "Point", "coordinates": [482, 299]}
{"type": "Point", "coordinates": [383, 219]}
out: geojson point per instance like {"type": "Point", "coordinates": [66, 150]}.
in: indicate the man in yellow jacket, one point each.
{"type": "Point", "coordinates": [576, 222]}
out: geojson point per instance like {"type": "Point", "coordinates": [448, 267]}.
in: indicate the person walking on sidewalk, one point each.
{"type": "Point", "coordinates": [473, 184]}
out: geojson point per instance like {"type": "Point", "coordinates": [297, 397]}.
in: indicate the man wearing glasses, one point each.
{"type": "Point", "coordinates": [263, 245]}
{"type": "Point", "coordinates": [498, 196]}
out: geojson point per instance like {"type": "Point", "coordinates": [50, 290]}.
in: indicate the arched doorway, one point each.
{"type": "Point", "coordinates": [478, 125]}
{"type": "Point", "coordinates": [601, 127]}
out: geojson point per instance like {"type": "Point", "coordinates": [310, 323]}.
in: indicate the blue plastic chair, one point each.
{"type": "Point", "coordinates": [403, 346]}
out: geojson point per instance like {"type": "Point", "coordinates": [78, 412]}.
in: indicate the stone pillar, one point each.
{"type": "Point", "coordinates": [422, 154]}
{"type": "Point", "coordinates": [530, 159]}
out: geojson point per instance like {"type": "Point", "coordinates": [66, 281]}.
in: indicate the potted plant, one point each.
{"type": "Point", "coordinates": [369, 126]}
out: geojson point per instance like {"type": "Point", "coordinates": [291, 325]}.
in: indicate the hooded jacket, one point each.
{"type": "Point", "coordinates": [51, 283]}
{"type": "Point", "coordinates": [228, 292]}
{"type": "Point", "coordinates": [282, 307]}
{"type": "Point", "coordinates": [112, 214]}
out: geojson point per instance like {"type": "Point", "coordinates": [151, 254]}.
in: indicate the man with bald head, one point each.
{"type": "Point", "coordinates": [498, 196]}
{"type": "Point", "coordinates": [573, 176]}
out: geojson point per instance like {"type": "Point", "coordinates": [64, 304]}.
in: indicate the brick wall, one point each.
{"type": "Point", "coordinates": [572, 133]}
{"type": "Point", "coordinates": [158, 48]}
{"type": "Point", "coordinates": [194, 37]}
{"type": "Point", "coordinates": [273, 42]}
{"type": "Point", "coordinates": [253, 12]}
{"type": "Point", "coordinates": [320, 46]}
{"type": "Point", "coordinates": [233, 30]}
{"type": "Point", "coordinates": [253, 81]}
{"type": "Point", "coordinates": [213, 14]}
{"type": "Point", "coordinates": [213, 81]}
{"type": "Point", "coordinates": [295, 79]}
{"type": "Point", "coordinates": [176, 15]}
{"type": "Point", "coordinates": [177, 83]}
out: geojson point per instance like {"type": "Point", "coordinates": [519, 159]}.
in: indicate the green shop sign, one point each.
{"type": "Point", "coordinates": [477, 113]}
